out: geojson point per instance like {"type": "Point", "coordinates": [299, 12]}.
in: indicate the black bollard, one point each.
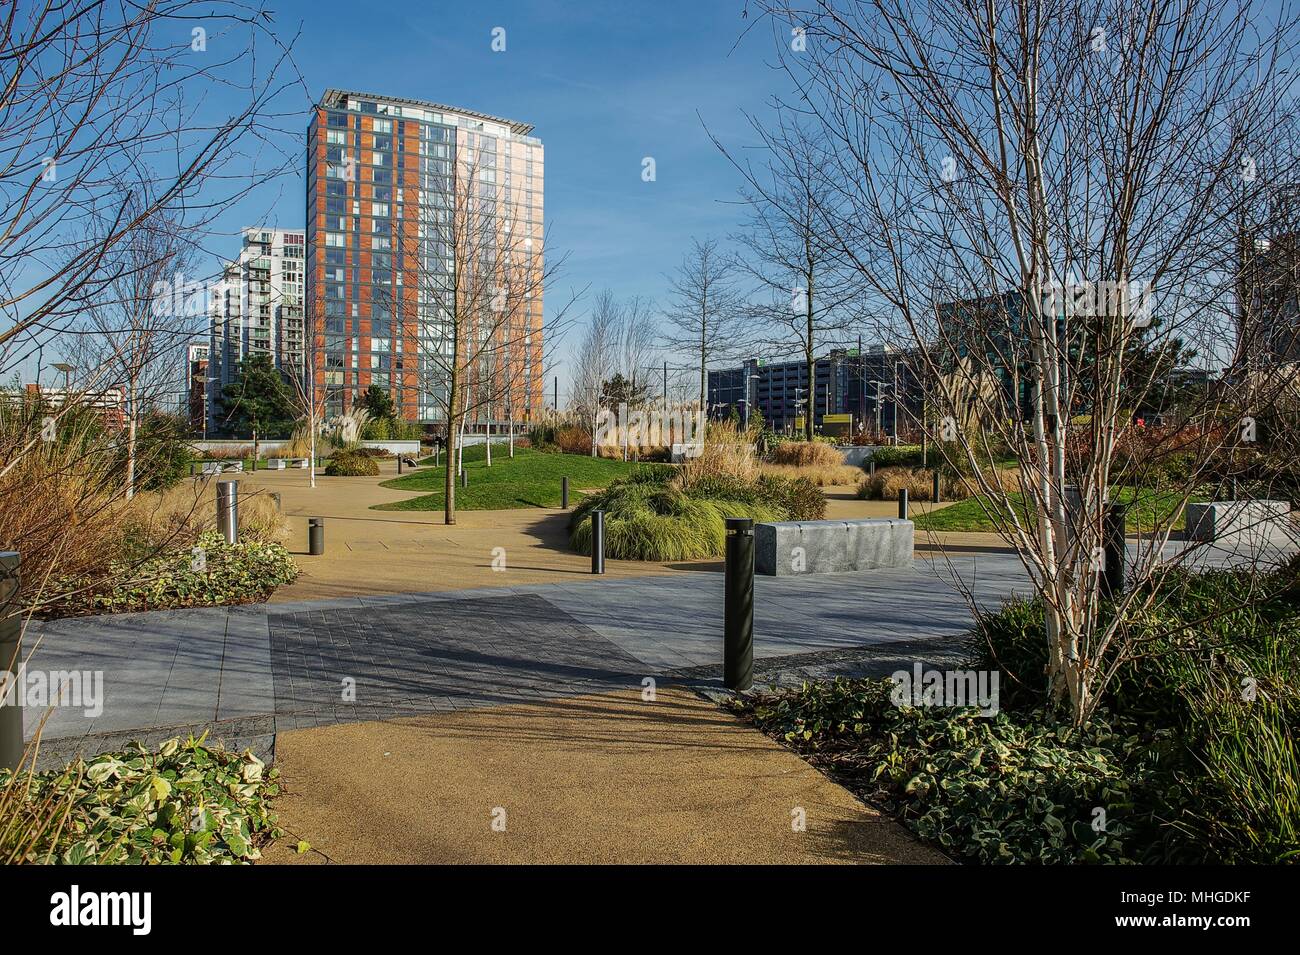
{"type": "Point", "coordinates": [597, 542]}
{"type": "Point", "coordinates": [399, 464]}
{"type": "Point", "coordinates": [564, 493]}
{"type": "Point", "coordinates": [902, 504]}
{"type": "Point", "coordinates": [934, 494]}
{"type": "Point", "coordinates": [228, 510]}
{"type": "Point", "coordinates": [315, 536]}
{"type": "Point", "coordinates": [738, 606]}
{"type": "Point", "coordinates": [1114, 554]}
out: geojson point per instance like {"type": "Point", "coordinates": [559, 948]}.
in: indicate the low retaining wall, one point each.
{"type": "Point", "coordinates": [1211, 521]}
{"type": "Point", "coordinates": [791, 548]}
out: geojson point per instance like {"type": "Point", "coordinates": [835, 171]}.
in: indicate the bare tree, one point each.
{"type": "Point", "coordinates": [1026, 190]}
{"type": "Point", "coordinates": [104, 124]}
{"type": "Point", "coordinates": [475, 300]}
{"type": "Point", "coordinates": [801, 296]}
{"type": "Point", "coordinates": [136, 331]}
{"type": "Point", "coordinates": [705, 308]}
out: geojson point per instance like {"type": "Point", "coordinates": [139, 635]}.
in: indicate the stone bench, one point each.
{"type": "Point", "coordinates": [279, 464]}
{"type": "Point", "coordinates": [1217, 519]}
{"type": "Point", "coordinates": [790, 548]}
{"type": "Point", "coordinates": [217, 467]}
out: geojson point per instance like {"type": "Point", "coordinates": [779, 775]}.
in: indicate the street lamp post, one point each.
{"type": "Point", "coordinates": [67, 370]}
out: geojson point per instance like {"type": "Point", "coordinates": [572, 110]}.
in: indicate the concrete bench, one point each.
{"type": "Point", "coordinates": [1218, 519]}
{"type": "Point", "coordinates": [790, 548]}
{"type": "Point", "coordinates": [217, 467]}
{"type": "Point", "coordinates": [279, 464]}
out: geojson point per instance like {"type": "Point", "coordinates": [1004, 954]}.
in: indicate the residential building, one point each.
{"type": "Point", "coordinates": [385, 176]}
{"type": "Point", "coordinates": [257, 308]}
{"type": "Point", "coordinates": [196, 380]}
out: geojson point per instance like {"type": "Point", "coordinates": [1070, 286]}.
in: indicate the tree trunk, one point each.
{"type": "Point", "coordinates": [130, 452]}
{"type": "Point", "coordinates": [449, 482]}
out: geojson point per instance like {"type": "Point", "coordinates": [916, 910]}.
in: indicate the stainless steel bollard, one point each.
{"type": "Point", "coordinates": [738, 606]}
{"type": "Point", "coordinates": [228, 510]}
{"type": "Point", "coordinates": [11, 658]}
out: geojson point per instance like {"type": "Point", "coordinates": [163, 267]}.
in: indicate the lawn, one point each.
{"type": "Point", "coordinates": [530, 479]}
{"type": "Point", "coordinates": [969, 515]}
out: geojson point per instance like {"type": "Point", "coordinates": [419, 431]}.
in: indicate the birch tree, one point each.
{"type": "Point", "coordinates": [1021, 187]}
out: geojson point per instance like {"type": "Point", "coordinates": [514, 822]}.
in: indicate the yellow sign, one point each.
{"type": "Point", "coordinates": [837, 419]}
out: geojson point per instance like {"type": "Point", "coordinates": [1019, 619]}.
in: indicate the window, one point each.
{"type": "Point", "coordinates": [335, 239]}
{"type": "Point", "coordinates": [336, 137]}
{"type": "Point", "coordinates": [383, 125]}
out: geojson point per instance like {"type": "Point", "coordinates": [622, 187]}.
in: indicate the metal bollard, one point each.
{"type": "Point", "coordinates": [597, 542]}
{"type": "Point", "coordinates": [464, 478]}
{"type": "Point", "coordinates": [934, 494]}
{"type": "Point", "coordinates": [738, 606]}
{"type": "Point", "coordinates": [315, 536]}
{"type": "Point", "coordinates": [228, 510]}
{"type": "Point", "coordinates": [871, 467]}
{"type": "Point", "coordinates": [11, 658]}
{"type": "Point", "coordinates": [564, 493]}
{"type": "Point", "coordinates": [399, 464]}
{"type": "Point", "coordinates": [902, 504]}
{"type": "Point", "coordinates": [1114, 554]}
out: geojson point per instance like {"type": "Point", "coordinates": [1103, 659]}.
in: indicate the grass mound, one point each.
{"type": "Point", "coordinates": [650, 518]}
{"type": "Point", "coordinates": [530, 479]}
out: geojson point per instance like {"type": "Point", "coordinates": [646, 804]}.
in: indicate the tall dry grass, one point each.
{"type": "Point", "coordinates": [885, 484]}
{"type": "Point", "coordinates": [728, 452]}
{"type": "Point", "coordinates": [807, 454]}
{"type": "Point", "coordinates": [63, 507]}
{"type": "Point", "coordinates": [823, 475]}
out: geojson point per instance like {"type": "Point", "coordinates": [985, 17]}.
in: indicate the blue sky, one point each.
{"type": "Point", "coordinates": [604, 84]}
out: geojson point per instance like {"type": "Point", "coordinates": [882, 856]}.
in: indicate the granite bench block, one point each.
{"type": "Point", "coordinates": [1214, 520]}
{"type": "Point", "coordinates": [792, 548]}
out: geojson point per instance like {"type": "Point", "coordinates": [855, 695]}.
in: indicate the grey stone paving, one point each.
{"type": "Point", "coordinates": [435, 656]}
{"type": "Point", "coordinates": [245, 672]}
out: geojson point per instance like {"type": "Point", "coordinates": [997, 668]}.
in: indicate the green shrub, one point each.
{"type": "Point", "coordinates": [352, 464]}
{"type": "Point", "coordinates": [902, 455]}
{"type": "Point", "coordinates": [1217, 681]}
{"type": "Point", "coordinates": [246, 572]}
{"type": "Point", "coordinates": [183, 804]}
{"type": "Point", "coordinates": [998, 789]}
